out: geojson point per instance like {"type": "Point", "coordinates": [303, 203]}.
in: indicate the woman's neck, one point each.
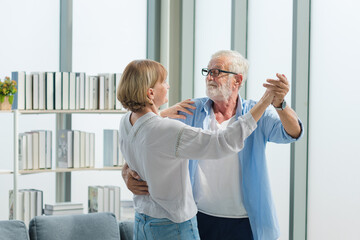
{"type": "Point", "coordinates": [136, 115]}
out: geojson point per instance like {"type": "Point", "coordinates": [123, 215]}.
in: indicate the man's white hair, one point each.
{"type": "Point", "coordinates": [237, 63]}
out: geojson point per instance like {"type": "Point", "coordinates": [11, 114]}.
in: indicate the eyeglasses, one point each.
{"type": "Point", "coordinates": [214, 72]}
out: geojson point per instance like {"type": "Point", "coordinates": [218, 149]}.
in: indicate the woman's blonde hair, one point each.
{"type": "Point", "coordinates": [137, 78]}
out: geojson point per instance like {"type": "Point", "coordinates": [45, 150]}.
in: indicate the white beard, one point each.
{"type": "Point", "coordinates": [216, 93]}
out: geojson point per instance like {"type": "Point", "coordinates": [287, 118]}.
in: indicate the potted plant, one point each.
{"type": "Point", "coordinates": [7, 91]}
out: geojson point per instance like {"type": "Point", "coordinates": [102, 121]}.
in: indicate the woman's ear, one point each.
{"type": "Point", "coordinates": [150, 94]}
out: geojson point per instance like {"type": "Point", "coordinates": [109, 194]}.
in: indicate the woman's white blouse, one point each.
{"type": "Point", "coordinates": [158, 149]}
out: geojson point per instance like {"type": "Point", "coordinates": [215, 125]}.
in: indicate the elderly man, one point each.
{"type": "Point", "coordinates": [233, 195]}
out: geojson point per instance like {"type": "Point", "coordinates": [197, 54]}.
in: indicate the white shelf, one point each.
{"type": "Point", "coordinates": [72, 111]}
{"type": "Point", "coordinates": [6, 172]}
{"type": "Point", "coordinates": [69, 170]}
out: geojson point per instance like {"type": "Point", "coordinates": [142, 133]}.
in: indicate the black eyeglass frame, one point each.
{"type": "Point", "coordinates": [211, 71]}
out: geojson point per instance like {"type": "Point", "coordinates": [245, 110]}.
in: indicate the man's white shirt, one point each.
{"type": "Point", "coordinates": [217, 182]}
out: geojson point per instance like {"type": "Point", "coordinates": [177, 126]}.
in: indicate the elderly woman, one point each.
{"type": "Point", "coordinates": [158, 149]}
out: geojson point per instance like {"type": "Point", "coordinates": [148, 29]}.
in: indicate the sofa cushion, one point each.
{"type": "Point", "coordinates": [93, 226]}
{"type": "Point", "coordinates": [13, 230]}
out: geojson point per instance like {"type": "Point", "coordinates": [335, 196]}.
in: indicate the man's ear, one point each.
{"type": "Point", "coordinates": [238, 79]}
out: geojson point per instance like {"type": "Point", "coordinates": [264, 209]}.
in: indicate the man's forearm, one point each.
{"type": "Point", "coordinates": [290, 121]}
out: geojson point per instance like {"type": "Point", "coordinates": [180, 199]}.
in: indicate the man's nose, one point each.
{"type": "Point", "coordinates": [209, 77]}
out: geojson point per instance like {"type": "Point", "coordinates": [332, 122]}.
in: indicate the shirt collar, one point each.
{"type": "Point", "coordinates": [209, 103]}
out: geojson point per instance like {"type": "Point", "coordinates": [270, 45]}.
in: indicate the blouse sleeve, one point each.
{"type": "Point", "coordinates": [195, 143]}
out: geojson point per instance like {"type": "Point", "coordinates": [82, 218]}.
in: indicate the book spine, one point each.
{"type": "Point", "coordinates": [48, 149]}
{"type": "Point", "coordinates": [19, 97]}
{"type": "Point", "coordinates": [72, 91]}
{"type": "Point", "coordinates": [42, 91]}
{"type": "Point", "coordinates": [82, 90]}
{"type": "Point", "coordinates": [42, 150]}
{"type": "Point", "coordinates": [58, 90]}
{"type": "Point", "coordinates": [35, 91]}
{"type": "Point", "coordinates": [50, 93]}
{"type": "Point", "coordinates": [35, 138]}
{"type": "Point", "coordinates": [29, 92]}
{"type": "Point", "coordinates": [65, 90]}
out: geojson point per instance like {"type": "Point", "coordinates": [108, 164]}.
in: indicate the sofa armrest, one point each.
{"type": "Point", "coordinates": [126, 230]}
{"type": "Point", "coordinates": [13, 230]}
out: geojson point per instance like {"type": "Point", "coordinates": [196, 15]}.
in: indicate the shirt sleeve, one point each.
{"type": "Point", "coordinates": [274, 130]}
{"type": "Point", "coordinates": [195, 143]}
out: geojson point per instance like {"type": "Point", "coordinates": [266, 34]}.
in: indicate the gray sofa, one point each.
{"type": "Point", "coordinates": [91, 226]}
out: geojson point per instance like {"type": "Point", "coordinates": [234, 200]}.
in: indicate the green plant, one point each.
{"type": "Point", "coordinates": [7, 88]}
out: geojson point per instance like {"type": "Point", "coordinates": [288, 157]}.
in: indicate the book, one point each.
{"type": "Point", "coordinates": [63, 212]}
{"type": "Point", "coordinates": [58, 90]}
{"type": "Point", "coordinates": [35, 147]}
{"type": "Point", "coordinates": [106, 199]}
{"type": "Point", "coordinates": [82, 90]}
{"type": "Point", "coordinates": [35, 93]}
{"type": "Point", "coordinates": [87, 149]}
{"type": "Point", "coordinates": [64, 149]}
{"type": "Point", "coordinates": [100, 190]}
{"type": "Point", "coordinates": [50, 90]}
{"type": "Point", "coordinates": [111, 91]}
{"type": "Point", "coordinates": [39, 202]}
{"type": "Point", "coordinates": [19, 97]}
{"type": "Point", "coordinates": [26, 206]}
{"type": "Point", "coordinates": [92, 149]}
{"type": "Point", "coordinates": [95, 199]}
{"type": "Point", "coordinates": [101, 92]}
{"type": "Point", "coordinates": [117, 82]}
{"type": "Point", "coordinates": [110, 148]}
{"type": "Point", "coordinates": [94, 93]}
{"type": "Point", "coordinates": [65, 90]}
{"type": "Point", "coordinates": [48, 150]}
{"type": "Point", "coordinates": [32, 203]}
{"type": "Point", "coordinates": [115, 202]}
{"type": "Point", "coordinates": [29, 92]}
{"type": "Point", "coordinates": [111, 200]}
{"type": "Point", "coordinates": [42, 91]}
{"type": "Point", "coordinates": [72, 91]}
{"type": "Point", "coordinates": [22, 151]}
{"type": "Point", "coordinates": [29, 151]}
{"type": "Point", "coordinates": [63, 206]}
{"type": "Point", "coordinates": [77, 98]}
{"type": "Point", "coordinates": [76, 148]}
{"type": "Point", "coordinates": [19, 209]}
{"type": "Point", "coordinates": [42, 150]}
{"type": "Point", "coordinates": [82, 149]}
{"type": "Point", "coordinates": [87, 92]}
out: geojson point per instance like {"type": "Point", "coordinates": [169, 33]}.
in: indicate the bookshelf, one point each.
{"type": "Point", "coordinates": [16, 172]}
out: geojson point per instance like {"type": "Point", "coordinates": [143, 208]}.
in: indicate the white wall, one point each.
{"type": "Point", "coordinates": [107, 35]}
{"type": "Point", "coordinates": [212, 33]}
{"type": "Point", "coordinates": [29, 42]}
{"type": "Point", "coordinates": [270, 52]}
{"type": "Point", "coordinates": [334, 179]}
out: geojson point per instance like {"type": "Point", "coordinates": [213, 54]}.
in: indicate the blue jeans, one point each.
{"type": "Point", "coordinates": [150, 228]}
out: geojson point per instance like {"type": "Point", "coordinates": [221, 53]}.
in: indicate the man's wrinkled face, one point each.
{"type": "Point", "coordinates": [218, 88]}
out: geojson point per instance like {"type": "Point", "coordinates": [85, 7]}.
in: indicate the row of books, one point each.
{"type": "Point", "coordinates": [112, 153]}
{"type": "Point", "coordinates": [104, 199]}
{"type": "Point", "coordinates": [30, 204]}
{"type": "Point", "coordinates": [35, 150]}
{"type": "Point", "coordinates": [76, 149]}
{"type": "Point", "coordinates": [64, 208]}
{"type": "Point", "coordinates": [65, 91]}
